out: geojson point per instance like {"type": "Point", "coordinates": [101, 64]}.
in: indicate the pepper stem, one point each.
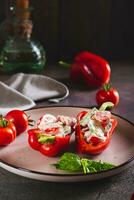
{"type": "Point", "coordinates": [106, 105]}
{"type": "Point", "coordinates": [64, 64]}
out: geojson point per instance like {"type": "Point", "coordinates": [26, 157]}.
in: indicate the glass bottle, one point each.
{"type": "Point", "coordinates": [21, 53]}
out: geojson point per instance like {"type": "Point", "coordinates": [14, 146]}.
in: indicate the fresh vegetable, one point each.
{"type": "Point", "coordinates": [49, 145]}
{"type": "Point", "coordinates": [132, 198]}
{"type": "Point", "coordinates": [52, 134]}
{"type": "Point", "coordinates": [90, 69]}
{"type": "Point", "coordinates": [7, 131]}
{"type": "Point", "coordinates": [73, 163]}
{"type": "Point", "coordinates": [107, 93]}
{"type": "Point", "coordinates": [94, 130]}
{"type": "Point", "coordinates": [20, 120]}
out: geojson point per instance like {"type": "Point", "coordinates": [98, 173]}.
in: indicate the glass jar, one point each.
{"type": "Point", "coordinates": [21, 53]}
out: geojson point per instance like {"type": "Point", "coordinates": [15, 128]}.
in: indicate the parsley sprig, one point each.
{"type": "Point", "coordinates": [73, 163]}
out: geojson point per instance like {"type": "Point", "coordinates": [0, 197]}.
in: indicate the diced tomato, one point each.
{"type": "Point", "coordinates": [94, 140]}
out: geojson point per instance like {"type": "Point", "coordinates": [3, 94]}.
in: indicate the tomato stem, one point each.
{"type": "Point", "coordinates": [31, 122]}
{"type": "Point", "coordinates": [107, 86]}
{"type": "Point", "coordinates": [3, 121]}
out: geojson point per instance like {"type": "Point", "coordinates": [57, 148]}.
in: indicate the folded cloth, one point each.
{"type": "Point", "coordinates": [38, 87]}
{"type": "Point", "coordinates": [12, 99]}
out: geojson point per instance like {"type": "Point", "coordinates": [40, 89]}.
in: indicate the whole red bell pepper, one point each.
{"type": "Point", "coordinates": [102, 119]}
{"type": "Point", "coordinates": [90, 69]}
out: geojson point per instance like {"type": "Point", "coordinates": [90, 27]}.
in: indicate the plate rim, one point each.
{"type": "Point", "coordinates": [70, 174]}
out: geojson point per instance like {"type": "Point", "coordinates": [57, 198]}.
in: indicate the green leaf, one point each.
{"type": "Point", "coordinates": [91, 166]}
{"type": "Point", "coordinates": [87, 168]}
{"type": "Point", "coordinates": [69, 162]}
{"type": "Point", "coordinates": [73, 163]}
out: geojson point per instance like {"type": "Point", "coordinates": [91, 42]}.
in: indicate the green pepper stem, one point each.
{"type": "Point", "coordinates": [64, 64]}
{"type": "Point", "coordinates": [106, 105]}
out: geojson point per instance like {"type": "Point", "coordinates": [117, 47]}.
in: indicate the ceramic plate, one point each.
{"type": "Point", "coordinates": [20, 159]}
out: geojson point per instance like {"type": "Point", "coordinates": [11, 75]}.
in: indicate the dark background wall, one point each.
{"type": "Point", "coordinates": [66, 27]}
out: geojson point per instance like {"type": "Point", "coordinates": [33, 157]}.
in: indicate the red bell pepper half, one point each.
{"type": "Point", "coordinates": [47, 145]}
{"type": "Point", "coordinates": [94, 130]}
{"type": "Point", "coordinates": [52, 134]}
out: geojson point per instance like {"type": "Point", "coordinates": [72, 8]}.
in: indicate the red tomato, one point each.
{"type": "Point", "coordinates": [95, 140]}
{"type": "Point", "coordinates": [20, 120]}
{"type": "Point", "coordinates": [53, 130]}
{"type": "Point", "coordinates": [107, 93]}
{"type": "Point", "coordinates": [7, 132]}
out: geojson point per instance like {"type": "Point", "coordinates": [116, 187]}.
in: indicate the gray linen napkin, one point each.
{"type": "Point", "coordinates": [11, 99]}
{"type": "Point", "coordinates": [38, 87]}
{"type": "Point", "coordinates": [21, 90]}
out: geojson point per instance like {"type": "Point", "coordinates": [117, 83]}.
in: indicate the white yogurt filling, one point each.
{"type": "Point", "coordinates": [91, 124]}
{"type": "Point", "coordinates": [62, 123]}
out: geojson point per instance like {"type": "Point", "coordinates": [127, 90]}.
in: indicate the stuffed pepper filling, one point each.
{"type": "Point", "coordinates": [95, 126]}
{"type": "Point", "coordinates": [56, 126]}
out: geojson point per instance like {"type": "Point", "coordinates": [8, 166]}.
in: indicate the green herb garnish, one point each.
{"type": "Point", "coordinates": [69, 162]}
{"type": "Point", "coordinates": [73, 163]}
{"type": "Point", "coordinates": [46, 139]}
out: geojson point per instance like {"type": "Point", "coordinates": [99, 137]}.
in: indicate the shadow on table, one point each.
{"type": "Point", "coordinates": [77, 86]}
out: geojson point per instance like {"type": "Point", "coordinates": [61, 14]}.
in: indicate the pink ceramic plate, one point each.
{"type": "Point", "coordinates": [20, 159]}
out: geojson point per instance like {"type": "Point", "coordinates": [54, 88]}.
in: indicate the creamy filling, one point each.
{"type": "Point", "coordinates": [92, 125]}
{"type": "Point", "coordinates": [94, 130]}
{"type": "Point", "coordinates": [63, 125]}
{"type": "Point", "coordinates": [46, 121]}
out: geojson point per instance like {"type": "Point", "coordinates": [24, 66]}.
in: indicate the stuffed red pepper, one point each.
{"type": "Point", "coordinates": [52, 134]}
{"type": "Point", "coordinates": [94, 129]}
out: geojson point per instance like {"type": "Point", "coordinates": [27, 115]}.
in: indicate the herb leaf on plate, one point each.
{"type": "Point", "coordinates": [91, 166]}
{"type": "Point", "coordinates": [73, 163]}
{"type": "Point", "coordinates": [69, 162]}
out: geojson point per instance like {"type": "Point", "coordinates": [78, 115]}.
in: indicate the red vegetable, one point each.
{"type": "Point", "coordinates": [94, 145]}
{"type": "Point", "coordinates": [107, 93]}
{"type": "Point", "coordinates": [132, 198]}
{"type": "Point", "coordinates": [7, 132]}
{"type": "Point", "coordinates": [52, 134]}
{"type": "Point", "coordinates": [20, 120]}
{"type": "Point", "coordinates": [93, 70]}
{"type": "Point", "coordinates": [51, 145]}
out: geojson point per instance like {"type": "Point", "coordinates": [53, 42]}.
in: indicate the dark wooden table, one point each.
{"type": "Point", "coordinates": [120, 187]}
